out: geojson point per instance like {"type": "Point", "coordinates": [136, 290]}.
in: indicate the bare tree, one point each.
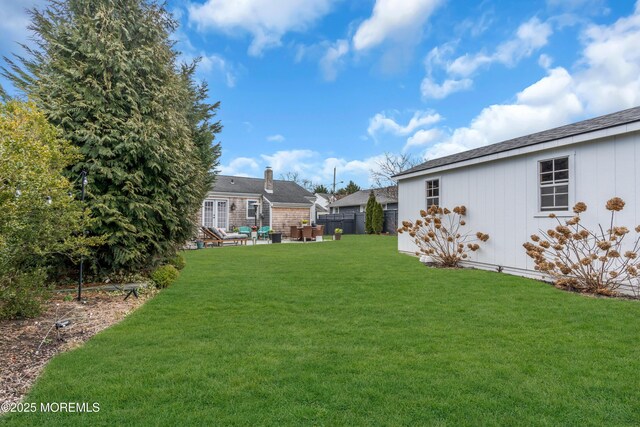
{"type": "Point", "coordinates": [295, 177]}
{"type": "Point", "coordinates": [392, 164]}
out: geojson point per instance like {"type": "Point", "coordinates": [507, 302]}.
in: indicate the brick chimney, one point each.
{"type": "Point", "coordinates": [268, 180]}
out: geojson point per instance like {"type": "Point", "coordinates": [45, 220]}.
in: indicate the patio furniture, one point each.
{"type": "Point", "coordinates": [263, 232]}
{"type": "Point", "coordinates": [318, 231]}
{"type": "Point", "coordinates": [244, 230]}
{"type": "Point", "coordinates": [295, 233]}
{"type": "Point", "coordinates": [307, 233]}
{"type": "Point", "coordinates": [218, 237]}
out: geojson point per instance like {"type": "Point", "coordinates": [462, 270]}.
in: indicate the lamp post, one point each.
{"type": "Point", "coordinates": [83, 176]}
{"type": "Point", "coordinates": [255, 213]}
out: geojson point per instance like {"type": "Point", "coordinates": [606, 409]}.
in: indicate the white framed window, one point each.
{"type": "Point", "coordinates": [553, 183]}
{"type": "Point", "coordinates": [433, 192]}
{"type": "Point", "coordinates": [251, 213]}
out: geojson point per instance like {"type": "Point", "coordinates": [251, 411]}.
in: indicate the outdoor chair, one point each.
{"type": "Point", "coordinates": [318, 230]}
{"type": "Point", "coordinates": [218, 237]}
{"type": "Point", "coordinates": [244, 230]}
{"type": "Point", "coordinates": [307, 233]}
{"type": "Point", "coordinates": [295, 233]}
{"type": "Point", "coordinates": [263, 232]}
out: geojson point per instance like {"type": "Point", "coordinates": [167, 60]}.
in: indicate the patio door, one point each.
{"type": "Point", "coordinates": [215, 213]}
{"type": "Point", "coordinates": [222, 215]}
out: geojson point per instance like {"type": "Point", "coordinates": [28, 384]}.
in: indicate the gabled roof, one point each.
{"type": "Point", "coordinates": [287, 192]}
{"type": "Point", "coordinates": [383, 195]}
{"type": "Point", "coordinates": [585, 126]}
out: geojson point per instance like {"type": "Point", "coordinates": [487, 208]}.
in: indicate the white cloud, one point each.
{"type": "Point", "coordinates": [217, 64]}
{"type": "Point", "coordinates": [545, 61]}
{"type": "Point", "coordinates": [275, 138]}
{"type": "Point", "coordinates": [609, 76]}
{"type": "Point", "coordinates": [290, 160]}
{"type": "Point", "coordinates": [381, 122]}
{"type": "Point", "coordinates": [530, 36]}
{"type": "Point", "coordinates": [308, 164]}
{"type": "Point", "coordinates": [421, 138]}
{"type": "Point", "coordinates": [240, 166]}
{"type": "Point", "coordinates": [606, 79]}
{"type": "Point", "coordinates": [333, 58]}
{"type": "Point", "coordinates": [265, 21]}
{"type": "Point", "coordinates": [431, 89]}
{"type": "Point", "coordinates": [545, 104]}
{"type": "Point", "coordinates": [392, 20]}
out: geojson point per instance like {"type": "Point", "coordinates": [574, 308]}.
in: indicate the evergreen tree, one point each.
{"type": "Point", "coordinates": [377, 218]}
{"type": "Point", "coordinates": [369, 213]}
{"type": "Point", "coordinates": [104, 71]}
{"type": "Point", "coordinates": [351, 188]}
{"type": "Point", "coordinates": [320, 188]}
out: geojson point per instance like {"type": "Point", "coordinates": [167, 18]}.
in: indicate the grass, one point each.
{"type": "Point", "coordinates": [352, 332]}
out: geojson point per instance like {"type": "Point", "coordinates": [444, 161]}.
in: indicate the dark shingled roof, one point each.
{"type": "Point", "coordinates": [383, 195]}
{"type": "Point", "coordinates": [283, 191]}
{"type": "Point", "coordinates": [598, 123]}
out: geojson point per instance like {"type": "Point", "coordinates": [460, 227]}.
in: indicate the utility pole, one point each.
{"type": "Point", "coordinates": [334, 181]}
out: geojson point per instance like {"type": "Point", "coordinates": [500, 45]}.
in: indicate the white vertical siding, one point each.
{"type": "Point", "coordinates": [502, 196]}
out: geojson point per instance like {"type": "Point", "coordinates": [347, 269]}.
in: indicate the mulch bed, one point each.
{"type": "Point", "coordinates": [27, 345]}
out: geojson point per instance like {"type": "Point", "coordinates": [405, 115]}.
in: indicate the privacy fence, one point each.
{"type": "Point", "coordinates": [353, 223]}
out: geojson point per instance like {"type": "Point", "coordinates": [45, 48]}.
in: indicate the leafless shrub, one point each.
{"type": "Point", "coordinates": [586, 260]}
{"type": "Point", "coordinates": [438, 234]}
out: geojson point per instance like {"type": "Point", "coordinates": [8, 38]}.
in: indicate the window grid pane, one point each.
{"type": "Point", "coordinates": [222, 215]}
{"type": "Point", "coordinates": [554, 188]}
{"type": "Point", "coordinates": [250, 210]}
{"type": "Point", "coordinates": [208, 213]}
{"type": "Point", "coordinates": [433, 192]}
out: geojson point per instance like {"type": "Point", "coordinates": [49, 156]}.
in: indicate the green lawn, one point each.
{"type": "Point", "coordinates": [352, 333]}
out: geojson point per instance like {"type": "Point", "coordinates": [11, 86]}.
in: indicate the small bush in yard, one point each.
{"type": "Point", "coordinates": [438, 234]}
{"type": "Point", "coordinates": [178, 262]}
{"type": "Point", "coordinates": [21, 295]}
{"type": "Point", "coordinates": [164, 276]}
{"type": "Point", "coordinates": [586, 260]}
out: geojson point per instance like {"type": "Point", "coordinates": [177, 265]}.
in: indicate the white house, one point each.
{"type": "Point", "coordinates": [509, 188]}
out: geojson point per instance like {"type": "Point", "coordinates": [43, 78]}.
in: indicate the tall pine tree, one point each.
{"type": "Point", "coordinates": [369, 212]}
{"type": "Point", "coordinates": [105, 72]}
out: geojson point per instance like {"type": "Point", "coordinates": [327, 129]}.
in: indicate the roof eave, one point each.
{"type": "Point", "coordinates": [547, 145]}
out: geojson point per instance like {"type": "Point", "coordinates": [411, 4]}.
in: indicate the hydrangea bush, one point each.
{"type": "Point", "coordinates": [439, 234]}
{"type": "Point", "coordinates": [587, 260]}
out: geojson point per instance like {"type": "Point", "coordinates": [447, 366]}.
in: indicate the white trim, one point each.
{"type": "Point", "coordinates": [556, 143]}
{"type": "Point", "coordinates": [247, 205]}
{"type": "Point", "coordinates": [433, 178]}
{"type": "Point", "coordinates": [215, 201]}
{"type": "Point", "coordinates": [570, 155]}
{"type": "Point", "coordinates": [270, 212]}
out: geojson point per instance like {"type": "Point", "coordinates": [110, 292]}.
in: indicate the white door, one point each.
{"type": "Point", "coordinates": [215, 213]}
{"type": "Point", "coordinates": [222, 215]}
{"type": "Point", "coordinates": [208, 213]}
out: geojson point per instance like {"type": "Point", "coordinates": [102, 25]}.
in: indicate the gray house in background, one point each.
{"type": "Point", "coordinates": [357, 202]}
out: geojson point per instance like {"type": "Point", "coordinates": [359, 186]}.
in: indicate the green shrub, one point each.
{"type": "Point", "coordinates": [164, 276]}
{"type": "Point", "coordinates": [178, 262]}
{"type": "Point", "coordinates": [21, 295]}
{"type": "Point", "coordinates": [40, 225]}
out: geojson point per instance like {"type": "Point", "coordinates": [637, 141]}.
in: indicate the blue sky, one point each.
{"type": "Point", "coordinates": [309, 85]}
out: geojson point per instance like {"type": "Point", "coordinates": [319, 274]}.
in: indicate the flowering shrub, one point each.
{"type": "Point", "coordinates": [438, 234]}
{"type": "Point", "coordinates": [587, 260]}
